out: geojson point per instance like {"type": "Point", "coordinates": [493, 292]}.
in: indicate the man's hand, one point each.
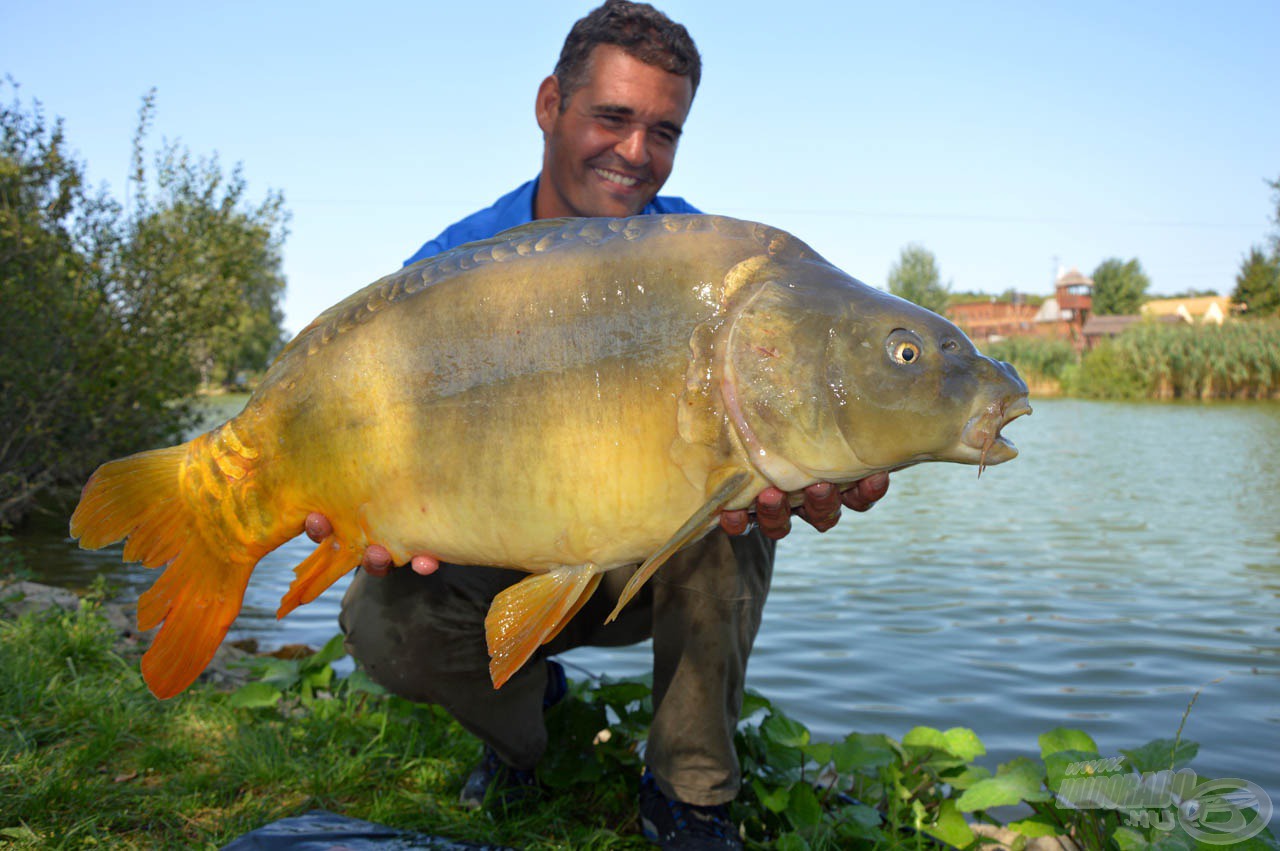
{"type": "Point", "coordinates": [377, 559]}
{"type": "Point", "coordinates": [820, 509]}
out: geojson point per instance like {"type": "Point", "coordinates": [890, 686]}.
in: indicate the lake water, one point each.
{"type": "Point", "coordinates": [1128, 558]}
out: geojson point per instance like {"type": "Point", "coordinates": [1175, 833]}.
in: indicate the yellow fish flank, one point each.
{"type": "Point", "coordinates": [569, 397]}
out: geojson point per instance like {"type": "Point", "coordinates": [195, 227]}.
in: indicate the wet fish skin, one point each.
{"type": "Point", "coordinates": [566, 398]}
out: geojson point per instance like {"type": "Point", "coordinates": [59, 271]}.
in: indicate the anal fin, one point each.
{"type": "Point", "coordinates": [694, 528]}
{"type": "Point", "coordinates": [325, 566]}
{"type": "Point", "coordinates": [530, 613]}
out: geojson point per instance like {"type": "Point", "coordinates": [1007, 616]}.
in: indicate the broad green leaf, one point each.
{"type": "Point", "coordinates": [791, 842]}
{"type": "Point", "coordinates": [819, 752]}
{"type": "Point", "coordinates": [753, 702]}
{"type": "Point", "coordinates": [1128, 839]}
{"type": "Point", "coordinates": [866, 751]}
{"type": "Point", "coordinates": [318, 677]}
{"type": "Point", "coordinates": [1063, 764]}
{"type": "Point", "coordinates": [774, 800]}
{"type": "Point", "coordinates": [278, 672]}
{"type": "Point", "coordinates": [950, 826]}
{"type": "Point", "coordinates": [254, 696]}
{"type": "Point", "coordinates": [925, 737]}
{"type": "Point", "coordinates": [861, 814]}
{"type": "Point", "coordinates": [359, 682]}
{"type": "Point", "coordinates": [622, 693]}
{"type": "Point", "coordinates": [1036, 826]}
{"type": "Point", "coordinates": [333, 650]}
{"type": "Point", "coordinates": [1015, 781]}
{"type": "Point", "coordinates": [1065, 739]}
{"type": "Point", "coordinates": [781, 730]}
{"type": "Point", "coordinates": [964, 743]}
{"type": "Point", "coordinates": [968, 777]}
{"type": "Point", "coordinates": [1158, 754]}
{"type": "Point", "coordinates": [943, 750]}
{"type": "Point", "coordinates": [804, 811]}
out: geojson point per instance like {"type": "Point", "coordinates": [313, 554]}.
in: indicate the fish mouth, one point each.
{"type": "Point", "coordinates": [982, 432]}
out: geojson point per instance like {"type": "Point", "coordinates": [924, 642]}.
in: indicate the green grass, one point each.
{"type": "Point", "coordinates": [88, 758]}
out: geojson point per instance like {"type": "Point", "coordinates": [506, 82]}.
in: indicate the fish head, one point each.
{"type": "Point", "coordinates": [909, 386]}
{"type": "Point", "coordinates": [833, 380]}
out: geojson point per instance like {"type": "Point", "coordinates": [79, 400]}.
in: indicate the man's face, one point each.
{"type": "Point", "coordinates": [609, 153]}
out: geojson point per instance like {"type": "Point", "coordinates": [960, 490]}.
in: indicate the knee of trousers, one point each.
{"type": "Point", "coordinates": [411, 639]}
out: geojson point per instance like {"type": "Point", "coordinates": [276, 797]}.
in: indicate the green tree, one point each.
{"type": "Point", "coordinates": [101, 338]}
{"type": "Point", "coordinates": [915, 277]}
{"type": "Point", "coordinates": [1275, 236]}
{"type": "Point", "coordinates": [211, 258]}
{"type": "Point", "coordinates": [1258, 284]}
{"type": "Point", "coordinates": [1119, 287]}
{"type": "Point", "coordinates": [80, 373]}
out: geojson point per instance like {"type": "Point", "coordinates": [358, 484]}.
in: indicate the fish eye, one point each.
{"type": "Point", "coordinates": [906, 352]}
{"type": "Point", "coordinates": [904, 347]}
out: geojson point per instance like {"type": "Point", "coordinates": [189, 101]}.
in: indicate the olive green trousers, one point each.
{"type": "Point", "coordinates": [422, 637]}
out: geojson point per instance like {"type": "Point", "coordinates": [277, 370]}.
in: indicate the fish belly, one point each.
{"type": "Point", "coordinates": [519, 420]}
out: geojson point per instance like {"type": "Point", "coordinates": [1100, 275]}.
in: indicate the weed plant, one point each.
{"type": "Point", "coordinates": [1036, 358]}
{"type": "Point", "coordinates": [89, 758]}
{"type": "Point", "coordinates": [1237, 360]}
{"type": "Point", "coordinates": [1150, 360]}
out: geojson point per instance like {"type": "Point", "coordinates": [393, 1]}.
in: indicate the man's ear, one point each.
{"type": "Point", "coordinates": [547, 105]}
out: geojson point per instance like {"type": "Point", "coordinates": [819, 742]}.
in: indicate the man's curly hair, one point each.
{"type": "Point", "coordinates": [639, 29]}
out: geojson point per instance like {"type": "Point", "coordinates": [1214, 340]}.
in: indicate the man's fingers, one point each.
{"type": "Point", "coordinates": [376, 560]}
{"type": "Point", "coordinates": [735, 522]}
{"type": "Point", "coordinates": [773, 513]}
{"type": "Point", "coordinates": [318, 526]}
{"type": "Point", "coordinates": [866, 492]}
{"type": "Point", "coordinates": [425, 565]}
{"type": "Point", "coordinates": [821, 508]}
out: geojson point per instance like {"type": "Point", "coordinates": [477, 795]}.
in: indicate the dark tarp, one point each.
{"type": "Point", "coordinates": [319, 830]}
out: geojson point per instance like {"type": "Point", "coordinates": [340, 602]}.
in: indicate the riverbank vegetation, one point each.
{"type": "Point", "coordinates": [90, 758]}
{"type": "Point", "coordinates": [112, 316]}
{"type": "Point", "coordinates": [1149, 360]}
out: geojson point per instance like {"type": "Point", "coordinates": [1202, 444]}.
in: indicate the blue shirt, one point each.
{"type": "Point", "coordinates": [516, 208]}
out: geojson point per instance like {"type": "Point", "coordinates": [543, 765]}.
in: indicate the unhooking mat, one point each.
{"type": "Point", "coordinates": [319, 830]}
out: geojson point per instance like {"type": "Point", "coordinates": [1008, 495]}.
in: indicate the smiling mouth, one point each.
{"type": "Point", "coordinates": [983, 431]}
{"type": "Point", "coordinates": [616, 178]}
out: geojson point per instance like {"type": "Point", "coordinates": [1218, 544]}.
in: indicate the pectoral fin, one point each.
{"type": "Point", "coordinates": [532, 612]}
{"type": "Point", "coordinates": [694, 528]}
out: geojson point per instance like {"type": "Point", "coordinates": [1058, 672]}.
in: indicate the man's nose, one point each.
{"type": "Point", "coordinates": [634, 147]}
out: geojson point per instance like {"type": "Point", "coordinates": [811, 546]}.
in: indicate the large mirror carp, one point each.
{"type": "Point", "coordinates": [569, 397]}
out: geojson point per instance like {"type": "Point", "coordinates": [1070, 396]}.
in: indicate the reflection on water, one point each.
{"type": "Point", "coordinates": [1129, 557]}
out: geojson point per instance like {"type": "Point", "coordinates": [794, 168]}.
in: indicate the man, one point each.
{"type": "Point", "coordinates": [611, 115]}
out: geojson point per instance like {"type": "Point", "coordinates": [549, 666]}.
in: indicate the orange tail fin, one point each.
{"type": "Point", "coordinates": [197, 508]}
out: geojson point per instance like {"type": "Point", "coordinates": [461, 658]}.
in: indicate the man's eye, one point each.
{"type": "Point", "coordinates": [610, 120]}
{"type": "Point", "coordinates": [665, 136]}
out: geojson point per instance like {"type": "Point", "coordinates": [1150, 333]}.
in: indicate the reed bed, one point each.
{"type": "Point", "coordinates": [1149, 360]}
{"type": "Point", "coordinates": [1236, 360]}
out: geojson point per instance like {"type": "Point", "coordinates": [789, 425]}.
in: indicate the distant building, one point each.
{"type": "Point", "coordinates": [1167, 311]}
{"type": "Point", "coordinates": [1065, 314]}
{"type": "Point", "coordinates": [1098, 328]}
{"type": "Point", "coordinates": [992, 319]}
{"type": "Point", "coordinates": [1211, 308]}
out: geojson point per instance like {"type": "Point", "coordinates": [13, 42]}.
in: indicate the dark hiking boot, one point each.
{"type": "Point", "coordinates": [677, 826]}
{"type": "Point", "coordinates": [495, 782]}
{"type": "Point", "coordinates": [498, 784]}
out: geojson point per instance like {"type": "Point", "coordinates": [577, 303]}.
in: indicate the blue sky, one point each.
{"type": "Point", "coordinates": [1007, 138]}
